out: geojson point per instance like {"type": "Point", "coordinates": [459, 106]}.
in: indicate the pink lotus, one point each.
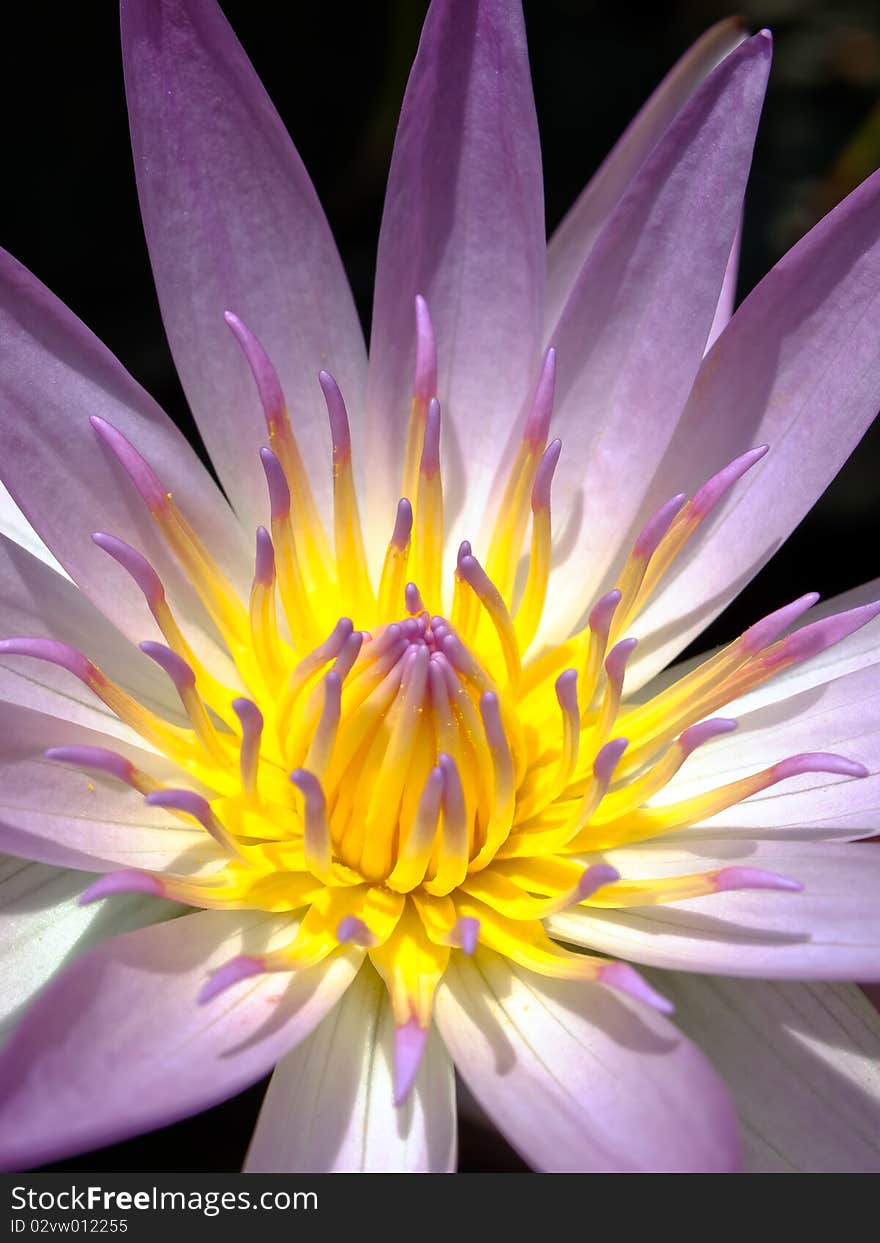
{"type": "Point", "coordinates": [431, 796]}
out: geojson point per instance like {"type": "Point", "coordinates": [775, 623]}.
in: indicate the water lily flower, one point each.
{"type": "Point", "coordinates": [379, 772]}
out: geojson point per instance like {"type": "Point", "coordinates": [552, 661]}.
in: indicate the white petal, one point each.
{"type": "Point", "coordinates": [41, 925]}
{"type": "Point", "coordinates": [59, 814]}
{"type": "Point", "coordinates": [802, 1061]}
{"type": "Point", "coordinates": [37, 602]}
{"type": "Point", "coordinates": [580, 1079]}
{"type": "Point", "coordinates": [329, 1106]}
{"type": "Point", "coordinates": [831, 930]}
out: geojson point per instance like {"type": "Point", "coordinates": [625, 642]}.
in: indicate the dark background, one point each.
{"type": "Point", "coordinates": [337, 73]}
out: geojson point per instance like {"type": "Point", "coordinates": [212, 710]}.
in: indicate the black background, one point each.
{"type": "Point", "coordinates": [336, 73]}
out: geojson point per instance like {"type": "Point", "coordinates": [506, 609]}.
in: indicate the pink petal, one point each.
{"type": "Point", "coordinates": [329, 1106]}
{"type": "Point", "coordinates": [37, 602]}
{"type": "Point", "coordinates": [631, 336]}
{"type": "Point", "coordinates": [74, 816]}
{"type": "Point", "coordinates": [829, 931]}
{"type": "Point", "coordinates": [838, 712]}
{"type": "Point", "coordinates": [56, 375]}
{"type": "Point", "coordinates": [799, 369]}
{"type": "Point", "coordinates": [580, 1079]}
{"type": "Point", "coordinates": [42, 923]}
{"type": "Point", "coordinates": [118, 1045]}
{"type": "Point", "coordinates": [464, 227]}
{"type": "Point", "coordinates": [233, 224]}
{"type": "Point", "coordinates": [574, 239]}
{"type": "Point", "coordinates": [801, 1061]}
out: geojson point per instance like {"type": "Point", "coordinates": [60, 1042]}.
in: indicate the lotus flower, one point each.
{"type": "Point", "coordinates": [409, 752]}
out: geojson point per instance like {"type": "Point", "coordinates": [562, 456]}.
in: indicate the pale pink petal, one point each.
{"type": "Point", "coordinates": [580, 1079]}
{"type": "Point", "coordinates": [464, 227]}
{"type": "Point", "coordinates": [37, 602]}
{"type": "Point", "coordinates": [574, 239]}
{"type": "Point", "coordinates": [56, 376]}
{"type": "Point", "coordinates": [830, 930]}
{"type": "Point", "coordinates": [841, 716]}
{"type": "Point", "coordinates": [802, 1062]}
{"type": "Point", "coordinates": [329, 1107]}
{"type": "Point", "coordinates": [75, 816]}
{"type": "Point", "coordinates": [828, 703]}
{"type": "Point", "coordinates": [631, 336]}
{"type": "Point", "coordinates": [798, 368]}
{"type": "Point", "coordinates": [233, 223]}
{"type": "Point", "coordinates": [42, 925]}
{"type": "Point", "coordinates": [118, 1043]}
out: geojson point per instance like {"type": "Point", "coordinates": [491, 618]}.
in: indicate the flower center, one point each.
{"type": "Point", "coordinates": [435, 777]}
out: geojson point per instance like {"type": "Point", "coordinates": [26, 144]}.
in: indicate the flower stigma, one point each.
{"type": "Point", "coordinates": [404, 767]}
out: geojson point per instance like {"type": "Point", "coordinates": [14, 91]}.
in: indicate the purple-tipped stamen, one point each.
{"type": "Point", "coordinates": [124, 881]}
{"type": "Point", "coordinates": [264, 564]}
{"type": "Point", "coordinates": [729, 879]}
{"type": "Point", "coordinates": [251, 720]}
{"type": "Point", "coordinates": [762, 632]}
{"type": "Point", "coordinates": [265, 375]}
{"type": "Point", "coordinates": [98, 758]}
{"type": "Point", "coordinates": [703, 732]}
{"type": "Point", "coordinates": [544, 476]}
{"type": "Point", "coordinates": [353, 931]}
{"type": "Point", "coordinates": [465, 934]}
{"type": "Point", "coordinates": [139, 472]}
{"type": "Point", "coordinates": [538, 421]}
{"type": "Point", "coordinates": [616, 662]}
{"type": "Point", "coordinates": [815, 638]}
{"type": "Point", "coordinates": [340, 432]}
{"type": "Point", "coordinates": [180, 673]}
{"type": "Point", "coordinates": [344, 662]}
{"type": "Point", "coordinates": [567, 693]}
{"type": "Point", "coordinates": [409, 1048]}
{"type": "Point", "coordinates": [607, 759]}
{"type": "Point", "coordinates": [413, 599]}
{"type": "Point", "coordinates": [818, 762]}
{"type": "Point", "coordinates": [232, 972]}
{"type": "Point", "coordinates": [276, 481]}
{"type": "Point", "coordinates": [55, 653]}
{"type": "Point", "coordinates": [595, 878]}
{"type": "Point", "coordinates": [602, 614]}
{"type": "Point", "coordinates": [430, 460]}
{"type": "Point", "coordinates": [403, 524]}
{"type": "Point", "coordinates": [316, 834]}
{"type": "Point", "coordinates": [707, 497]}
{"type": "Point", "coordinates": [135, 564]}
{"type": "Point", "coordinates": [626, 979]}
{"type": "Point", "coordinates": [656, 527]}
{"type": "Point", "coordinates": [199, 808]}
